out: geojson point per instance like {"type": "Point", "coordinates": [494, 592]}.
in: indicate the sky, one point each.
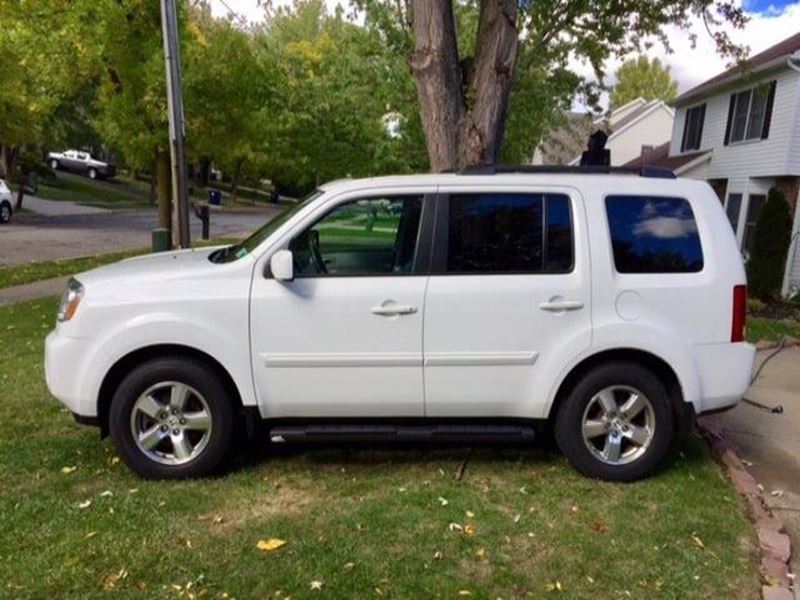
{"type": "Point", "coordinates": [770, 22]}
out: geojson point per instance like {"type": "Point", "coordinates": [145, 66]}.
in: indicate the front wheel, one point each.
{"type": "Point", "coordinates": [617, 423]}
{"type": "Point", "coordinates": [5, 212]}
{"type": "Point", "coordinates": [171, 418]}
{"type": "Point", "coordinates": [92, 173]}
{"type": "Point", "coordinates": [54, 164]}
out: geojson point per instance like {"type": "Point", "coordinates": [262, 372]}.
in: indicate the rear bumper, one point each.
{"type": "Point", "coordinates": [724, 372]}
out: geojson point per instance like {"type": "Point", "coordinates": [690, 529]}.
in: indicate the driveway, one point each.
{"type": "Point", "coordinates": [36, 237]}
{"type": "Point", "coordinates": [771, 442]}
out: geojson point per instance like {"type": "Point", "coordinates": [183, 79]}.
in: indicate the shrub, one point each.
{"type": "Point", "coordinates": [771, 239]}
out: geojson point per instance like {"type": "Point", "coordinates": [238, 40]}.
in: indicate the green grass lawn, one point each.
{"type": "Point", "coordinates": [760, 328]}
{"type": "Point", "coordinates": [364, 522]}
{"type": "Point", "coordinates": [112, 193]}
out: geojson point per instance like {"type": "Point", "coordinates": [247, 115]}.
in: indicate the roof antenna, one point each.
{"type": "Point", "coordinates": [596, 154]}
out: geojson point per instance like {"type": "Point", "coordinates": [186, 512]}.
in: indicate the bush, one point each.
{"type": "Point", "coordinates": [771, 239]}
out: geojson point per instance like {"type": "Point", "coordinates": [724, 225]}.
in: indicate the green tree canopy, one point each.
{"type": "Point", "coordinates": [771, 239]}
{"type": "Point", "coordinates": [643, 77]}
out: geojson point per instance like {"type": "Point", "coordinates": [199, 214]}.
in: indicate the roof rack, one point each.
{"type": "Point", "coordinates": [644, 171]}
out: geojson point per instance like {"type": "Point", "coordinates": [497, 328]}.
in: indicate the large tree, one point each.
{"type": "Point", "coordinates": [642, 77]}
{"type": "Point", "coordinates": [464, 89]}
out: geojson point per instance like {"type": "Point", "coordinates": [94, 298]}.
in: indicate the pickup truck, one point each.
{"type": "Point", "coordinates": [80, 162]}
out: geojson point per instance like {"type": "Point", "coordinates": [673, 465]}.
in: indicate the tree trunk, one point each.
{"type": "Point", "coordinates": [20, 195]}
{"type": "Point", "coordinates": [162, 176]}
{"type": "Point", "coordinates": [463, 102]}
{"type": "Point", "coordinates": [237, 172]}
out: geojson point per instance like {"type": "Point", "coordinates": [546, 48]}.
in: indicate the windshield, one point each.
{"type": "Point", "coordinates": [237, 251]}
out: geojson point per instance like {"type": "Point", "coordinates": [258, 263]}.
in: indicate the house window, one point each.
{"type": "Point", "coordinates": [733, 208]}
{"type": "Point", "coordinates": [749, 114]}
{"type": "Point", "coordinates": [754, 204]}
{"type": "Point", "coordinates": [693, 128]}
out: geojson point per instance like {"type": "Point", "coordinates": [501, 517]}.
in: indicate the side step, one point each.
{"type": "Point", "coordinates": [400, 433]}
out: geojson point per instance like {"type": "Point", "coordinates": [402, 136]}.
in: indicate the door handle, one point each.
{"type": "Point", "coordinates": [390, 310]}
{"type": "Point", "coordinates": [561, 305]}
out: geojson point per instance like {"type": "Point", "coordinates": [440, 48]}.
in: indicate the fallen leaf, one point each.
{"type": "Point", "coordinates": [747, 463]}
{"type": "Point", "coordinates": [464, 593]}
{"type": "Point", "coordinates": [522, 490]}
{"type": "Point", "coordinates": [378, 591]}
{"type": "Point", "coordinates": [349, 566]}
{"type": "Point", "coordinates": [438, 555]}
{"type": "Point", "coordinates": [776, 493]}
{"type": "Point", "coordinates": [599, 527]}
{"type": "Point", "coordinates": [106, 494]}
{"type": "Point", "coordinates": [402, 490]}
{"type": "Point", "coordinates": [555, 587]}
{"type": "Point", "coordinates": [469, 529]}
{"type": "Point", "coordinates": [110, 580]}
{"type": "Point", "coordinates": [114, 460]}
{"type": "Point", "coordinates": [217, 519]}
{"type": "Point", "coordinates": [270, 544]}
{"type": "Point", "coordinates": [317, 585]}
{"type": "Point", "coordinates": [443, 501]}
{"type": "Point", "coordinates": [90, 535]}
{"type": "Point", "coordinates": [133, 490]}
{"type": "Point", "coordinates": [697, 541]}
{"type": "Point", "coordinates": [517, 518]}
{"type": "Point", "coordinates": [68, 470]}
{"type": "Point", "coordinates": [481, 553]}
{"type": "Point", "coordinates": [455, 527]}
{"type": "Point", "coordinates": [470, 514]}
{"type": "Point", "coordinates": [85, 504]}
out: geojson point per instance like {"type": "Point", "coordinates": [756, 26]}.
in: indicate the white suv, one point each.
{"type": "Point", "coordinates": [488, 305]}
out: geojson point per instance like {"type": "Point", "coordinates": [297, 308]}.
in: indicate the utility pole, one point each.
{"type": "Point", "coordinates": [177, 131]}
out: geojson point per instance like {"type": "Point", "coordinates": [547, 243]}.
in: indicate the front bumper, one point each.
{"type": "Point", "coordinates": [66, 374]}
{"type": "Point", "coordinates": [724, 371]}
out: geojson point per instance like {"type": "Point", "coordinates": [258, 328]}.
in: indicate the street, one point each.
{"type": "Point", "coordinates": [38, 237]}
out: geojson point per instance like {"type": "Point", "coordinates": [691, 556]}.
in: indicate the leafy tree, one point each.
{"type": "Point", "coordinates": [645, 78]}
{"type": "Point", "coordinates": [771, 239]}
{"type": "Point", "coordinates": [465, 89]}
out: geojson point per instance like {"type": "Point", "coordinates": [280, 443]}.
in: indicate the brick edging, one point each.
{"type": "Point", "coordinates": [774, 545]}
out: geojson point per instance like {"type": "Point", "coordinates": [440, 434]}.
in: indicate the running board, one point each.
{"type": "Point", "coordinates": [400, 433]}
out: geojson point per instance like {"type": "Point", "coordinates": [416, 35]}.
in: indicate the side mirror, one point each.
{"type": "Point", "coordinates": [281, 264]}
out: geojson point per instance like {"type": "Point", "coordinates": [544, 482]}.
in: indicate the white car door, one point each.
{"type": "Point", "coordinates": [507, 300]}
{"type": "Point", "coordinates": [344, 338]}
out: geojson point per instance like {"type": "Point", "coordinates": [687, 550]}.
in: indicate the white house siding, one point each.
{"type": "Point", "coordinates": [652, 129]}
{"type": "Point", "coordinates": [779, 154]}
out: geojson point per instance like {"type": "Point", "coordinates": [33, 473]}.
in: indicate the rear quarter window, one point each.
{"type": "Point", "coordinates": [653, 234]}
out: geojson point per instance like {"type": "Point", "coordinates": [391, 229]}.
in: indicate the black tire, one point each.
{"type": "Point", "coordinates": [570, 419]}
{"type": "Point", "coordinates": [5, 212]}
{"type": "Point", "coordinates": [92, 173]}
{"type": "Point", "coordinates": [190, 372]}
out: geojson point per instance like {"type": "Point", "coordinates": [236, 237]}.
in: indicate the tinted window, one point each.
{"type": "Point", "coordinates": [509, 233]}
{"type": "Point", "coordinates": [376, 236]}
{"type": "Point", "coordinates": [732, 210]}
{"type": "Point", "coordinates": [653, 235]}
{"type": "Point", "coordinates": [754, 204]}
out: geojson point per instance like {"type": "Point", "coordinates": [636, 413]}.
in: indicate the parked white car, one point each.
{"type": "Point", "coordinates": [80, 162]}
{"type": "Point", "coordinates": [609, 308]}
{"type": "Point", "coordinates": [6, 199]}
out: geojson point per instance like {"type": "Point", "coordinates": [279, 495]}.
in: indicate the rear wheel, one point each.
{"type": "Point", "coordinates": [54, 164]}
{"type": "Point", "coordinates": [5, 211]}
{"type": "Point", "coordinates": [617, 423]}
{"type": "Point", "coordinates": [172, 418]}
{"type": "Point", "coordinates": [92, 173]}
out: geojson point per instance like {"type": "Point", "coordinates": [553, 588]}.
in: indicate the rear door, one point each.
{"type": "Point", "coordinates": [507, 299]}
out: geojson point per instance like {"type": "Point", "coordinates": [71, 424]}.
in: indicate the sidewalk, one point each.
{"type": "Point", "coordinates": [772, 441]}
{"type": "Point", "coordinates": [32, 291]}
{"type": "Point", "coordinates": [59, 208]}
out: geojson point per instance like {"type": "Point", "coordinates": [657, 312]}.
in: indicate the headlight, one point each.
{"type": "Point", "coordinates": [70, 300]}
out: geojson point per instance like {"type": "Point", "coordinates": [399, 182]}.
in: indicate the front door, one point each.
{"type": "Point", "coordinates": [344, 338]}
{"type": "Point", "coordinates": [507, 300]}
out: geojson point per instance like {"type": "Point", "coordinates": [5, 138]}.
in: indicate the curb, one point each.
{"type": "Point", "coordinates": [774, 545]}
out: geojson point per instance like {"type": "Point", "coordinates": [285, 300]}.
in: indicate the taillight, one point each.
{"type": "Point", "coordinates": [739, 313]}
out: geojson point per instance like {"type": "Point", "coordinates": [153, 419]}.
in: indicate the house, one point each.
{"type": "Point", "coordinates": [633, 129]}
{"type": "Point", "coordinates": [740, 131]}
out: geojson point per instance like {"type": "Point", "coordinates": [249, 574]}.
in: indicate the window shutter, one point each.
{"type": "Point", "coordinates": [768, 111]}
{"type": "Point", "coordinates": [699, 142]}
{"type": "Point", "coordinates": [730, 119]}
{"type": "Point", "coordinates": [685, 128]}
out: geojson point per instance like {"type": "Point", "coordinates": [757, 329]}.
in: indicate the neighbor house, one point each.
{"type": "Point", "coordinates": [740, 131]}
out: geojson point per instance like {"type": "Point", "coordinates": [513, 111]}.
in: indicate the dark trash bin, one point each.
{"type": "Point", "coordinates": [214, 197]}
